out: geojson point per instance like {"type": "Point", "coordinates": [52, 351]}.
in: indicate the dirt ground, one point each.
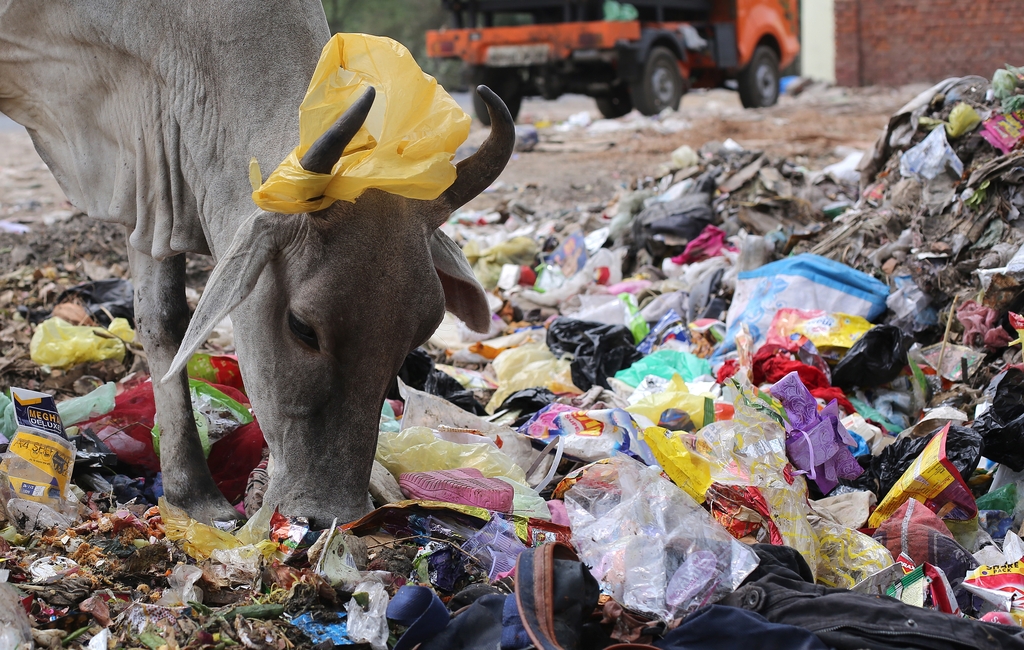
{"type": "Point", "coordinates": [47, 245]}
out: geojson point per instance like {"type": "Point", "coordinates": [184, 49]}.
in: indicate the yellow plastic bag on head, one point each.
{"type": "Point", "coordinates": [417, 449]}
{"type": "Point", "coordinates": [59, 344]}
{"type": "Point", "coordinates": [530, 366]}
{"type": "Point", "coordinates": [404, 147]}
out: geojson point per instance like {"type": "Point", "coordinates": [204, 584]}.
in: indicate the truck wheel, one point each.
{"type": "Point", "coordinates": [615, 105]}
{"type": "Point", "coordinates": [507, 88]}
{"type": "Point", "coordinates": [759, 81]}
{"type": "Point", "coordinates": [661, 85]}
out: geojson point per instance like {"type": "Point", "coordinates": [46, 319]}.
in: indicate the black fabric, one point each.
{"type": "Point", "coordinates": [783, 561]}
{"type": "Point", "coordinates": [717, 627]}
{"type": "Point", "coordinates": [527, 402]}
{"type": "Point", "coordinates": [476, 628]}
{"type": "Point", "coordinates": [471, 594]}
{"type": "Point", "coordinates": [846, 620]}
{"type": "Point", "coordinates": [568, 598]}
{"type": "Point", "coordinates": [599, 351]}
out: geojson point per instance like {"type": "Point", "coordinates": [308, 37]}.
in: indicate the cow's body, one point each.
{"type": "Point", "coordinates": [148, 115]}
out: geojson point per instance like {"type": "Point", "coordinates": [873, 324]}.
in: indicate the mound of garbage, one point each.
{"type": "Point", "coordinates": [736, 403]}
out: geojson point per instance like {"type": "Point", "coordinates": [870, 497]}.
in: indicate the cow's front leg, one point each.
{"type": "Point", "coordinates": [161, 318]}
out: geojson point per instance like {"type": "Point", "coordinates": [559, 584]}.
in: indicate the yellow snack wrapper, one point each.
{"type": "Point", "coordinates": [687, 469]}
{"type": "Point", "coordinates": [404, 147]}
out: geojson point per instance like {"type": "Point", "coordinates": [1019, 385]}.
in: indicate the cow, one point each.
{"type": "Point", "coordinates": [148, 114]}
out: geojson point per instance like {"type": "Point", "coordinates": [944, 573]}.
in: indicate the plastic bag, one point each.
{"type": "Point", "coordinates": [181, 586]}
{"type": "Point", "coordinates": [1004, 83]}
{"type": "Point", "coordinates": [816, 443]}
{"type": "Point", "coordinates": [804, 281]}
{"type": "Point", "coordinates": [665, 364]}
{"type": "Point", "coordinates": [931, 157]}
{"type": "Point", "coordinates": [649, 544]}
{"type": "Point", "coordinates": [418, 450]}
{"type": "Point", "coordinates": [962, 120]}
{"type": "Point", "coordinates": [598, 351]}
{"type": "Point", "coordinates": [845, 556]}
{"type": "Point", "coordinates": [676, 397]}
{"type": "Point", "coordinates": [58, 344]}
{"type": "Point", "coordinates": [15, 628]}
{"type": "Point", "coordinates": [586, 435]}
{"type": "Point", "coordinates": [104, 299]}
{"type": "Point", "coordinates": [404, 147]}
{"type": "Point", "coordinates": [876, 358]}
{"type": "Point", "coordinates": [530, 366]}
{"type": "Point", "coordinates": [198, 540]}
{"type": "Point", "coordinates": [369, 624]}
{"type": "Point", "coordinates": [1002, 425]}
{"type": "Point", "coordinates": [93, 405]}
{"type": "Point", "coordinates": [215, 413]}
{"type": "Point", "coordinates": [487, 264]}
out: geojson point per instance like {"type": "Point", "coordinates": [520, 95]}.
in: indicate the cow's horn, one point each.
{"type": "Point", "coordinates": [481, 169]}
{"type": "Point", "coordinates": [325, 152]}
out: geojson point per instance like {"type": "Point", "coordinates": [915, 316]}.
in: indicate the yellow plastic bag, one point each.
{"type": "Point", "coordinates": [700, 408]}
{"type": "Point", "coordinates": [687, 469]}
{"type": "Point", "coordinates": [962, 120]}
{"type": "Point", "coordinates": [417, 449]}
{"type": "Point", "coordinates": [529, 366]}
{"type": "Point", "coordinates": [199, 539]}
{"type": "Point", "coordinates": [59, 344]}
{"type": "Point", "coordinates": [405, 147]}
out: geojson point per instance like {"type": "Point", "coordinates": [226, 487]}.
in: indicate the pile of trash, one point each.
{"type": "Point", "coordinates": [743, 399]}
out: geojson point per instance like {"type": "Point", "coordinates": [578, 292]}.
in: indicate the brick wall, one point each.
{"type": "Point", "coordinates": [893, 42]}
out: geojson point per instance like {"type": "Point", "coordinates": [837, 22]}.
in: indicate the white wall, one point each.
{"type": "Point", "coordinates": [818, 35]}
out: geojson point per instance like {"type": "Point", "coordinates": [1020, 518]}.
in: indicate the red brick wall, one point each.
{"type": "Point", "coordinates": [893, 42]}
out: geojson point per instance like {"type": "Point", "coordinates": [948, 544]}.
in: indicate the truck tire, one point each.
{"type": "Point", "coordinates": [759, 81]}
{"type": "Point", "coordinates": [660, 86]}
{"type": "Point", "coordinates": [505, 85]}
{"type": "Point", "coordinates": [615, 105]}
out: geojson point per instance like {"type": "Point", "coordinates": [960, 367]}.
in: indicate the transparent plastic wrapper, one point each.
{"type": "Point", "coordinates": [652, 547]}
{"type": "Point", "coordinates": [749, 452]}
{"type": "Point", "coordinates": [530, 366]}
{"type": "Point", "coordinates": [845, 556]}
{"type": "Point", "coordinates": [405, 146]}
{"type": "Point", "coordinates": [369, 624]}
{"type": "Point", "coordinates": [15, 628]}
{"type": "Point", "coordinates": [182, 586]}
{"type": "Point", "coordinates": [59, 344]}
{"type": "Point", "coordinates": [419, 450]}
{"type": "Point", "coordinates": [38, 468]}
{"type": "Point", "coordinates": [931, 157]}
{"type": "Point", "coordinates": [496, 546]}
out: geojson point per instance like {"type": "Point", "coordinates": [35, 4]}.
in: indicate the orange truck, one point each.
{"type": "Point", "coordinates": [644, 54]}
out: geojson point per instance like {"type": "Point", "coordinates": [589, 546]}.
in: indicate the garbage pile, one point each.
{"type": "Point", "coordinates": [741, 400]}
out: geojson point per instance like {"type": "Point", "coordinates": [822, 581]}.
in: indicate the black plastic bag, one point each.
{"type": "Point", "coordinates": [444, 385]}
{"type": "Point", "coordinates": [963, 449]}
{"type": "Point", "coordinates": [599, 351]}
{"type": "Point", "coordinates": [877, 358]}
{"type": "Point", "coordinates": [527, 402]}
{"type": "Point", "coordinates": [1002, 425]}
{"type": "Point", "coordinates": [104, 299]}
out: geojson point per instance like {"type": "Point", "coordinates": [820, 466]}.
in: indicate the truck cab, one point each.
{"type": "Point", "coordinates": [644, 54]}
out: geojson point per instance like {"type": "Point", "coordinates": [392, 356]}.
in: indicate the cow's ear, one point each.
{"type": "Point", "coordinates": [463, 295]}
{"type": "Point", "coordinates": [258, 240]}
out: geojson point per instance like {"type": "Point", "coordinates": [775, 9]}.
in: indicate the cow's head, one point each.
{"type": "Point", "coordinates": [327, 306]}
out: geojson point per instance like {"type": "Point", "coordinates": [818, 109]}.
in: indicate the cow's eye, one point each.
{"type": "Point", "coordinates": [305, 333]}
